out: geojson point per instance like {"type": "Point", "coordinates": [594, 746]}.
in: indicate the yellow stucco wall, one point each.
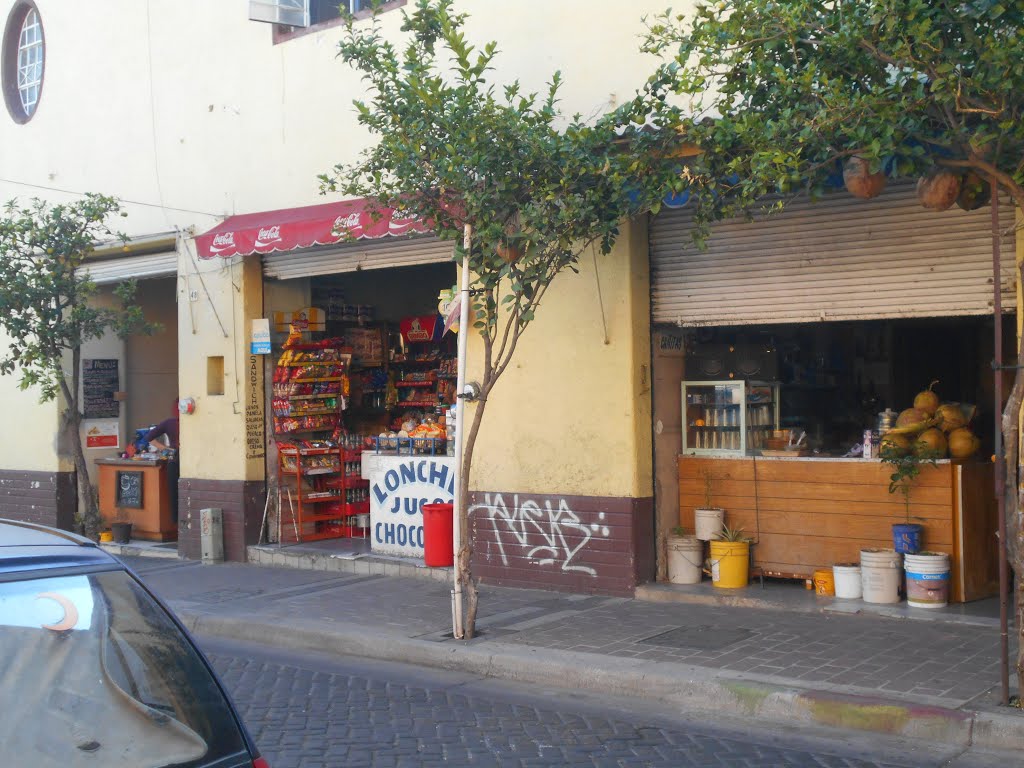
{"type": "Point", "coordinates": [571, 414]}
{"type": "Point", "coordinates": [30, 427]}
{"type": "Point", "coordinates": [216, 301]}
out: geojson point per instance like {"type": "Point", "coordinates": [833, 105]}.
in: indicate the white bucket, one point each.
{"type": "Point", "coordinates": [708, 522]}
{"type": "Point", "coordinates": [927, 579]}
{"type": "Point", "coordinates": [848, 581]}
{"type": "Point", "coordinates": [880, 572]}
{"type": "Point", "coordinates": [685, 558]}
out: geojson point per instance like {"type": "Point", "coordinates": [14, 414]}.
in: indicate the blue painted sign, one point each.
{"type": "Point", "coordinates": [399, 487]}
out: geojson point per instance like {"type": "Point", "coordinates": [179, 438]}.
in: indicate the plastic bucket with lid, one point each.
{"type": "Point", "coordinates": [848, 581]}
{"type": "Point", "coordinates": [708, 522]}
{"type": "Point", "coordinates": [880, 575]}
{"type": "Point", "coordinates": [927, 579]}
{"type": "Point", "coordinates": [824, 584]}
{"type": "Point", "coordinates": [685, 557]}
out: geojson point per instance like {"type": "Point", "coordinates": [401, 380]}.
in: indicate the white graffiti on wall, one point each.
{"type": "Point", "coordinates": [560, 533]}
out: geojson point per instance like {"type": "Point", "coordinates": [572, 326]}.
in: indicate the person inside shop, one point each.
{"type": "Point", "coordinates": [168, 429]}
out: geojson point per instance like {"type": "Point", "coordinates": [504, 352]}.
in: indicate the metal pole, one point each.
{"type": "Point", "coordinates": [460, 431]}
{"type": "Point", "coordinates": [1000, 468]}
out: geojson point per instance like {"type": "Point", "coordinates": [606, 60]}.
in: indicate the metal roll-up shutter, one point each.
{"type": "Point", "coordinates": [349, 257]}
{"type": "Point", "coordinates": [841, 258]}
{"type": "Point", "coordinates": [148, 265]}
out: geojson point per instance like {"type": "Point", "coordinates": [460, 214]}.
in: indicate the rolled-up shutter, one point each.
{"type": "Point", "coordinates": [841, 258]}
{"type": "Point", "coordinates": [359, 255]}
{"type": "Point", "coordinates": [106, 271]}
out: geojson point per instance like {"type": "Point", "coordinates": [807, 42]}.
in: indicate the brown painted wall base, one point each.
{"type": "Point", "coordinates": [242, 504]}
{"type": "Point", "coordinates": [589, 544]}
{"type": "Point", "coordinates": [46, 498]}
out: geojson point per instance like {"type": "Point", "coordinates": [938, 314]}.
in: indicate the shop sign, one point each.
{"type": "Point", "coordinates": [100, 380]}
{"type": "Point", "coordinates": [260, 344]}
{"type": "Point", "coordinates": [419, 329]}
{"type": "Point", "coordinates": [255, 440]}
{"type": "Point", "coordinates": [102, 434]}
{"type": "Point", "coordinates": [308, 319]}
{"type": "Point", "coordinates": [399, 487]}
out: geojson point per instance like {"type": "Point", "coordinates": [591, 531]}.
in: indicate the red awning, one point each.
{"type": "Point", "coordinates": [292, 228]}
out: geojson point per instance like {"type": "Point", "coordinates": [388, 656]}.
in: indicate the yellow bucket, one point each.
{"type": "Point", "coordinates": [106, 536]}
{"type": "Point", "coordinates": [824, 583]}
{"type": "Point", "coordinates": [730, 563]}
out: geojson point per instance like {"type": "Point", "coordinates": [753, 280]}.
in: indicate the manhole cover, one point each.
{"type": "Point", "coordinates": [703, 638]}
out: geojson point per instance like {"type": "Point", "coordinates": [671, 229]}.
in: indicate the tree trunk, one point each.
{"type": "Point", "coordinates": [1014, 504]}
{"type": "Point", "coordinates": [465, 556]}
{"type": "Point", "coordinates": [88, 518]}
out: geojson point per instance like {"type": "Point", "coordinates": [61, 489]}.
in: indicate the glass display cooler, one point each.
{"type": "Point", "coordinates": [728, 417]}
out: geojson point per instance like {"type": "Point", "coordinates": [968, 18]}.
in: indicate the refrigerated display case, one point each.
{"type": "Point", "coordinates": [728, 417]}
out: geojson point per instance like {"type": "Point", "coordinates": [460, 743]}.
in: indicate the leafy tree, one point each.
{"type": "Point", "coordinates": [536, 189]}
{"type": "Point", "coordinates": [780, 95]}
{"type": "Point", "coordinates": [47, 310]}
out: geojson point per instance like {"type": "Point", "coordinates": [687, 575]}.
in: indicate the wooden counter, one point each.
{"type": "Point", "coordinates": [152, 519]}
{"type": "Point", "coordinates": [809, 513]}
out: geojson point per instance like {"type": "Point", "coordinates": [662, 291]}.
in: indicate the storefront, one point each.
{"type": "Point", "coordinates": [789, 338]}
{"type": "Point", "coordinates": [361, 372]}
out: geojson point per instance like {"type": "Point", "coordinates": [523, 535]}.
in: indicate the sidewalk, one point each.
{"type": "Point", "coordinates": [934, 679]}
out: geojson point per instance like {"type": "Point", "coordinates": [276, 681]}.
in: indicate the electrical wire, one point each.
{"type": "Point", "coordinates": [120, 199]}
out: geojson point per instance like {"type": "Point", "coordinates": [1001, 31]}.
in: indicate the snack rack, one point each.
{"type": "Point", "coordinates": [310, 388]}
{"type": "Point", "coordinates": [321, 494]}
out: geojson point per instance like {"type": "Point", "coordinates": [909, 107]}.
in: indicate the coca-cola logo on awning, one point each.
{"type": "Point", "coordinates": [222, 242]}
{"type": "Point", "coordinates": [268, 235]}
{"type": "Point", "coordinates": [346, 223]}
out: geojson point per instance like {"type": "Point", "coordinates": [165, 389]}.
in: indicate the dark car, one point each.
{"type": "Point", "coordinates": [96, 671]}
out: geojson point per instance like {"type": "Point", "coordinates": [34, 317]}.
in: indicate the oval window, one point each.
{"type": "Point", "coordinates": [23, 59]}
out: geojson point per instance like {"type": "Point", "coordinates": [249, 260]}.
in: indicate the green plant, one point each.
{"type": "Point", "coordinates": [680, 531]}
{"type": "Point", "coordinates": [906, 468]}
{"type": "Point", "coordinates": [732, 534]}
{"type": "Point", "coordinates": [48, 311]}
{"type": "Point", "coordinates": [523, 189]}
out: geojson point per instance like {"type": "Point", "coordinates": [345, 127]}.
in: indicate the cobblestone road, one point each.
{"type": "Point", "coordinates": [314, 711]}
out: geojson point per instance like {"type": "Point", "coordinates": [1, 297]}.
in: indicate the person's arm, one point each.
{"type": "Point", "coordinates": [150, 437]}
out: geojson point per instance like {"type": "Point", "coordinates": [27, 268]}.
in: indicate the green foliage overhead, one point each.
{"type": "Point", "coordinates": [46, 308]}
{"type": "Point", "coordinates": [451, 147]}
{"type": "Point", "coordinates": [779, 93]}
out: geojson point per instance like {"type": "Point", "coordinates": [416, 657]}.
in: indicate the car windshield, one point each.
{"type": "Point", "coordinates": [94, 672]}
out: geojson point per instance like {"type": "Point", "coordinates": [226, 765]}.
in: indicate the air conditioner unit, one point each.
{"type": "Point", "coordinates": [293, 13]}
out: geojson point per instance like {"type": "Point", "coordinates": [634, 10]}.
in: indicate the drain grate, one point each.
{"type": "Point", "coordinates": [701, 638]}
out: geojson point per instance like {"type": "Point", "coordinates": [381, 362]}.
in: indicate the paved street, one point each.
{"type": "Point", "coordinates": [318, 711]}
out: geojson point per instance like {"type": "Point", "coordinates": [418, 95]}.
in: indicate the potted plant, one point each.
{"type": "Point", "coordinates": [906, 465]}
{"type": "Point", "coordinates": [684, 555]}
{"type": "Point", "coordinates": [730, 558]}
{"type": "Point", "coordinates": [708, 520]}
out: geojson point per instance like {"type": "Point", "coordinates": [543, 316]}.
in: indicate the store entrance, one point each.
{"type": "Point", "coordinates": [361, 365]}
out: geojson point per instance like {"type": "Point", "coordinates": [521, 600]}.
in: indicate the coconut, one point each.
{"type": "Point", "coordinates": [912, 417]}
{"type": "Point", "coordinates": [927, 400]}
{"type": "Point", "coordinates": [938, 190]}
{"type": "Point", "coordinates": [894, 445]}
{"type": "Point", "coordinates": [951, 416]}
{"type": "Point", "coordinates": [974, 192]}
{"type": "Point", "coordinates": [963, 444]}
{"type": "Point", "coordinates": [859, 180]}
{"type": "Point", "coordinates": [931, 444]}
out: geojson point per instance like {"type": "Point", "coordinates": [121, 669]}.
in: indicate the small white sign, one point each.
{"type": "Point", "coordinates": [102, 434]}
{"type": "Point", "coordinates": [260, 344]}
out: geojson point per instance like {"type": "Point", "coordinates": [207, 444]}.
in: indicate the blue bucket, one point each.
{"type": "Point", "coordinates": [906, 538]}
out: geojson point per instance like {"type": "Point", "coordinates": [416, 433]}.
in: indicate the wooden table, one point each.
{"type": "Point", "coordinates": [809, 513]}
{"type": "Point", "coordinates": [122, 482]}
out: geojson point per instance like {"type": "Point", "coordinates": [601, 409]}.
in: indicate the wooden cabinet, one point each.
{"type": "Point", "coordinates": [137, 492]}
{"type": "Point", "coordinates": [809, 513]}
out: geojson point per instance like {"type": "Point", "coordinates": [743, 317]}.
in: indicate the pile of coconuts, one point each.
{"type": "Point", "coordinates": [931, 429]}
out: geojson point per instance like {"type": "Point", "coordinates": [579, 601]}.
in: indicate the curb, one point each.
{"type": "Point", "coordinates": [688, 689]}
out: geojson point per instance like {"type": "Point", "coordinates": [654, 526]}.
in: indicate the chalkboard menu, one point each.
{"type": "Point", "coordinates": [99, 383]}
{"type": "Point", "coordinates": [129, 489]}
